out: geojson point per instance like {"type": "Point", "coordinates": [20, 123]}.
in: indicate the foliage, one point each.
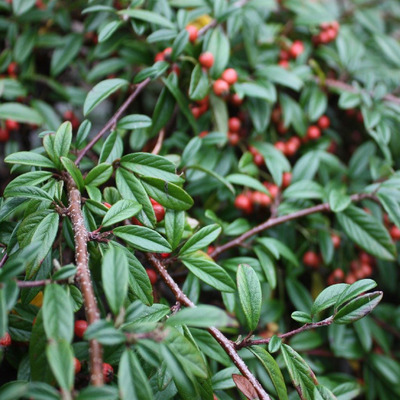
{"type": "Point", "coordinates": [190, 188]}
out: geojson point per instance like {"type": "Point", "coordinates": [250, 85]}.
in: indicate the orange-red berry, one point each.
{"type": "Point", "coordinates": [311, 259]}
{"type": "Point", "coordinates": [234, 124]}
{"type": "Point", "coordinates": [77, 365]}
{"type": "Point", "coordinates": [324, 122]}
{"type": "Point", "coordinates": [80, 327]}
{"type": "Point", "coordinates": [159, 210]}
{"type": "Point", "coordinates": [108, 372]}
{"type": "Point", "coordinates": [297, 48]}
{"type": "Point", "coordinates": [4, 135]}
{"type": "Point", "coordinates": [313, 132]}
{"type": "Point", "coordinates": [152, 275]}
{"type": "Point", "coordinates": [193, 33]}
{"type": "Point", "coordinates": [230, 76]}
{"type": "Point", "coordinates": [206, 59]}
{"type": "Point", "coordinates": [286, 179]}
{"type": "Point", "coordinates": [12, 125]}
{"type": "Point", "coordinates": [243, 202]}
{"type": "Point", "coordinates": [335, 241]}
{"type": "Point", "coordinates": [5, 341]}
{"type": "Point", "coordinates": [221, 87]}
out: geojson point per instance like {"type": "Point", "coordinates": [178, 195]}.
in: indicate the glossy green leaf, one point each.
{"type": "Point", "coordinates": [20, 112]}
{"type": "Point", "coordinates": [28, 192]}
{"type": "Point", "coordinates": [74, 171]}
{"type": "Point", "coordinates": [134, 121]}
{"type": "Point", "coordinates": [62, 140]}
{"type": "Point", "coordinates": [107, 30]}
{"type": "Point", "coordinates": [328, 297]}
{"type": "Point", "coordinates": [60, 356]}
{"type": "Point", "coordinates": [64, 55]}
{"type": "Point", "coordinates": [201, 239]}
{"type": "Point", "coordinates": [199, 86]}
{"type": "Point", "coordinates": [98, 175]}
{"type": "Point", "coordinates": [352, 291]}
{"type": "Point", "coordinates": [174, 226]}
{"type": "Point", "coordinates": [120, 211]}
{"type": "Point", "coordinates": [148, 16]}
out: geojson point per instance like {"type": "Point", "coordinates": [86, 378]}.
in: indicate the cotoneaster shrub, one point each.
{"type": "Point", "coordinates": [200, 199]}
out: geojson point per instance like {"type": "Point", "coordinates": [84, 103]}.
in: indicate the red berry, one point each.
{"type": "Point", "coordinates": [152, 275]}
{"type": "Point", "coordinates": [193, 32]}
{"type": "Point", "coordinates": [230, 76]}
{"type": "Point", "coordinates": [281, 128]}
{"type": "Point", "coordinates": [167, 53]}
{"type": "Point", "coordinates": [40, 5]}
{"type": "Point", "coordinates": [221, 87]}
{"type": "Point", "coordinates": [196, 111]}
{"type": "Point", "coordinates": [281, 146]}
{"type": "Point", "coordinates": [295, 141]}
{"type": "Point", "coordinates": [350, 278]}
{"type": "Point", "coordinates": [77, 365]}
{"type": "Point", "coordinates": [4, 135]}
{"type": "Point", "coordinates": [286, 179]}
{"type": "Point", "coordinates": [331, 34]}
{"type": "Point", "coordinates": [159, 57]}
{"type": "Point", "coordinates": [203, 134]}
{"type": "Point", "coordinates": [366, 270]}
{"type": "Point", "coordinates": [284, 64]}
{"type": "Point", "coordinates": [159, 210]}
{"type": "Point", "coordinates": [395, 233]}
{"type": "Point", "coordinates": [12, 69]}
{"type": "Point", "coordinates": [210, 249]}
{"type": "Point", "coordinates": [12, 125]}
{"type": "Point", "coordinates": [258, 159]}
{"type": "Point", "coordinates": [324, 122]}
{"type": "Point", "coordinates": [313, 132]}
{"type": "Point", "coordinates": [335, 240]}
{"type": "Point", "coordinates": [108, 372]}
{"type": "Point", "coordinates": [206, 59]}
{"type": "Point", "coordinates": [311, 259]}
{"type": "Point", "coordinates": [284, 55]}
{"type": "Point", "coordinates": [69, 115]}
{"type": "Point", "coordinates": [108, 205]}
{"type": "Point", "coordinates": [324, 37]}
{"type": "Point", "coordinates": [366, 258]}
{"type": "Point", "coordinates": [233, 138]}
{"type": "Point", "coordinates": [80, 328]}
{"type": "Point", "coordinates": [291, 148]}
{"type": "Point", "coordinates": [165, 255]}
{"type": "Point", "coordinates": [243, 202]}
{"type": "Point", "coordinates": [135, 221]}
{"type": "Point", "coordinates": [337, 276]}
{"type": "Point", "coordinates": [297, 48]}
{"type": "Point", "coordinates": [234, 124]}
{"type": "Point", "coordinates": [261, 198]}
{"type": "Point", "coordinates": [276, 115]}
{"type": "Point", "coordinates": [236, 100]}
{"type": "Point", "coordinates": [204, 101]}
{"type": "Point", "coordinates": [5, 341]}
{"type": "Point", "coordinates": [272, 189]}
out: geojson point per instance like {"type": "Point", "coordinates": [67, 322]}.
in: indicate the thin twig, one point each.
{"type": "Point", "coordinates": [113, 120]}
{"type": "Point", "coordinates": [31, 284]}
{"type": "Point", "coordinates": [225, 343]}
{"type": "Point", "coordinates": [305, 327]}
{"type": "Point", "coordinates": [159, 143]}
{"type": "Point", "coordinates": [280, 220]}
{"type": "Point", "coordinates": [83, 277]}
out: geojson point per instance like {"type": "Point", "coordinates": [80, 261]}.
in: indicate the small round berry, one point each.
{"type": "Point", "coordinates": [204, 101]}
{"type": "Point", "coordinates": [337, 276]}
{"type": "Point", "coordinates": [167, 53]}
{"type": "Point", "coordinates": [395, 233]}
{"type": "Point", "coordinates": [108, 372]}
{"type": "Point", "coordinates": [284, 55]}
{"type": "Point", "coordinates": [324, 37]}
{"type": "Point", "coordinates": [281, 128]}
{"type": "Point", "coordinates": [236, 100]}
{"type": "Point", "coordinates": [80, 328]}
{"type": "Point", "coordinates": [77, 365]}
{"type": "Point", "coordinates": [313, 132]}
{"type": "Point", "coordinates": [284, 64]}
{"type": "Point", "coordinates": [324, 122]}
{"type": "Point", "coordinates": [221, 87]}
{"type": "Point", "coordinates": [234, 124]}
{"type": "Point", "coordinates": [331, 34]}
{"type": "Point", "coordinates": [12, 69]}
{"type": "Point", "coordinates": [4, 135]}
{"type": "Point", "coordinates": [12, 125]}
{"type": "Point", "coordinates": [290, 148]}
{"type": "Point", "coordinates": [152, 275]}
{"type": "Point", "coordinates": [5, 341]}
{"type": "Point", "coordinates": [297, 48]}
{"type": "Point", "coordinates": [350, 278]}
{"type": "Point", "coordinates": [311, 259]}
{"type": "Point", "coordinates": [230, 76]}
{"type": "Point", "coordinates": [165, 255]}
{"type": "Point", "coordinates": [366, 270]}
{"type": "Point", "coordinates": [159, 210]}
{"type": "Point", "coordinates": [260, 198]}
{"type": "Point", "coordinates": [159, 57]}
{"type": "Point", "coordinates": [276, 115]}
{"type": "Point", "coordinates": [272, 189]}
{"type": "Point", "coordinates": [108, 205]}
{"type": "Point", "coordinates": [335, 240]}
{"type": "Point", "coordinates": [243, 202]}
{"type": "Point", "coordinates": [286, 179]}
{"type": "Point", "coordinates": [366, 258]}
{"type": "Point", "coordinates": [203, 134]}
{"type": "Point", "coordinates": [258, 159]}
{"type": "Point", "coordinates": [193, 32]}
{"type": "Point", "coordinates": [233, 138]}
{"type": "Point", "coordinates": [206, 59]}
{"type": "Point", "coordinates": [135, 221]}
{"type": "Point", "coordinates": [210, 249]}
{"type": "Point", "coordinates": [196, 111]}
{"type": "Point", "coordinates": [281, 146]}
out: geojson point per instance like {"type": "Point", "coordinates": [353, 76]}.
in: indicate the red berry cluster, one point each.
{"type": "Point", "coordinates": [314, 131]}
{"type": "Point", "coordinates": [200, 107]}
{"type": "Point", "coordinates": [292, 52]}
{"type": "Point", "coordinates": [328, 33]}
{"type": "Point", "coordinates": [222, 85]}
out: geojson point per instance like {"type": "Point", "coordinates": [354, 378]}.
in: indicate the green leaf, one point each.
{"type": "Point", "coordinates": [179, 44]}
{"type": "Point", "coordinates": [115, 275]}
{"type": "Point", "coordinates": [317, 103]}
{"type": "Point", "coordinates": [107, 30]}
{"type": "Point", "coordinates": [83, 132]}
{"type": "Point", "coordinates": [352, 291]}
{"type": "Point", "coordinates": [28, 192]}
{"type": "Point", "coordinates": [167, 194]}
{"type": "Point", "coordinates": [100, 92]}
{"type": "Point", "coordinates": [148, 16]}
{"type": "Point", "coordinates": [219, 111]}
{"type": "Point", "coordinates": [202, 316]}
{"type": "Point", "coordinates": [389, 203]}
{"type": "Point", "coordinates": [62, 140]}
{"type": "Point", "coordinates": [98, 175]}
{"type": "Point", "coordinates": [14, 390]}
{"type": "Point", "coordinates": [20, 112]}
{"type": "Point", "coordinates": [132, 381]}
{"type": "Point", "coordinates": [280, 75]}
{"type": "Point", "coordinates": [257, 90]}
{"type": "Point", "coordinates": [219, 46]}
{"type": "Point", "coordinates": [272, 368]}
{"type": "Point", "coordinates": [63, 56]}
{"type": "Point", "coordinates": [304, 190]}
{"type": "Point", "coordinates": [105, 392]}
{"type": "Point", "coordinates": [131, 188]}
{"type": "Point", "coordinates": [147, 164]}
{"type": "Point", "coordinates": [22, 6]}
{"type": "Point", "coordinates": [121, 210]}
{"type": "Point", "coordinates": [250, 296]}
{"type": "Point", "coordinates": [58, 316]}
{"type": "Point", "coordinates": [367, 232]}
{"type": "Point", "coordinates": [74, 171]}
{"type": "Point", "coordinates": [358, 308]}
{"type": "Point", "coordinates": [201, 265]}
{"type": "Point", "coordinates": [198, 88]}
{"type": "Point", "coordinates": [267, 266]}
{"type": "Point", "coordinates": [328, 297]}
{"type": "Point", "coordinates": [300, 373]}
{"type": "Point", "coordinates": [248, 181]}
{"type": "Point", "coordinates": [302, 317]}
{"type": "Point", "coordinates": [174, 227]}
{"type": "Point", "coordinates": [134, 121]}
{"type": "Point", "coordinates": [60, 356]}
{"type": "Point", "coordinates": [143, 238]}
{"type": "Point", "coordinates": [338, 201]}
{"type": "Point", "coordinates": [200, 239]}
{"type": "Point", "coordinates": [278, 248]}
{"type": "Point", "coordinates": [104, 332]}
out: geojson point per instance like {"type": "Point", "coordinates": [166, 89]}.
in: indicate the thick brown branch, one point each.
{"type": "Point", "coordinates": [305, 327]}
{"type": "Point", "coordinates": [225, 343]}
{"type": "Point", "coordinates": [280, 220]}
{"type": "Point", "coordinates": [83, 276]}
{"type": "Point", "coordinates": [113, 120]}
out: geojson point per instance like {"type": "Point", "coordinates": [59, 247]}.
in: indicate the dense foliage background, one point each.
{"type": "Point", "coordinates": [198, 198]}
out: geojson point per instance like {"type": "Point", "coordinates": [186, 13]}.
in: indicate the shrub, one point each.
{"type": "Point", "coordinates": [190, 189]}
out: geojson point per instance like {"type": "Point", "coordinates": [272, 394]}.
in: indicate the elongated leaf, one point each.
{"type": "Point", "coordinates": [100, 92]}
{"type": "Point", "coordinates": [63, 56]}
{"type": "Point", "coordinates": [74, 171]}
{"type": "Point", "coordinates": [304, 190]}
{"type": "Point", "coordinates": [29, 192]}
{"type": "Point", "coordinates": [272, 369]}
{"type": "Point", "coordinates": [62, 140]}
{"type": "Point", "coordinates": [245, 387]}
{"type": "Point", "coordinates": [115, 274]}
{"type": "Point", "coordinates": [198, 88]}
{"type": "Point", "coordinates": [135, 121]}
{"type": "Point", "coordinates": [121, 210]}
{"type": "Point", "coordinates": [167, 194]}
{"type": "Point", "coordinates": [99, 174]}
{"type": "Point", "coordinates": [20, 112]}
{"type": "Point", "coordinates": [148, 16]}
{"type": "Point", "coordinates": [391, 206]}
{"type": "Point", "coordinates": [241, 179]}
{"type": "Point", "coordinates": [58, 316]}
{"type": "Point", "coordinates": [143, 238]}
{"type": "Point", "coordinates": [174, 227]}
{"type": "Point", "coordinates": [29, 158]}
{"type": "Point", "coordinates": [200, 239]}
{"type": "Point", "coordinates": [60, 356]}
{"type": "Point", "coordinates": [328, 297]}
{"type": "Point", "coordinates": [352, 291]}
{"type": "Point", "coordinates": [108, 29]}
{"type": "Point", "coordinates": [338, 201]}
{"type": "Point", "coordinates": [277, 248]}
{"type": "Point", "coordinates": [367, 232]}
{"type": "Point", "coordinates": [105, 333]}
{"type": "Point", "coordinates": [267, 266]}
{"type": "Point", "coordinates": [29, 179]}
{"type": "Point", "coordinates": [201, 265]}
{"type": "Point", "coordinates": [249, 289]}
